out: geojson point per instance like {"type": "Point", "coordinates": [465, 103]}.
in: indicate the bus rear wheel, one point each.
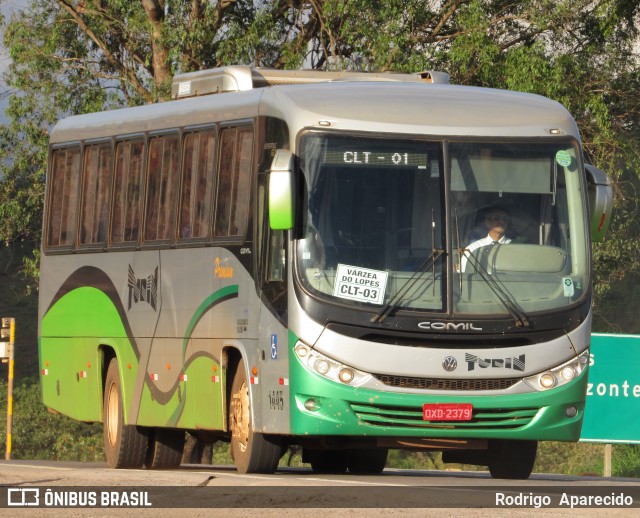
{"type": "Point", "coordinates": [165, 449]}
{"type": "Point", "coordinates": [125, 446]}
{"type": "Point", "coordinates": [512, 459]}
{"type": "Point", "coordinates": [252, 452]}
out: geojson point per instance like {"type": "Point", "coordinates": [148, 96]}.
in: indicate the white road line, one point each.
{"type": "Point", "coordinates": [311, 479]}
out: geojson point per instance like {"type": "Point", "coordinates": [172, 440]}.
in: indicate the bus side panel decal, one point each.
{"type": "Point", "coordinates": [179, 405]}
{"type": "Point", "coordinates": [90, 276]}
{"type": "Point", "coordinates": [73, 330]}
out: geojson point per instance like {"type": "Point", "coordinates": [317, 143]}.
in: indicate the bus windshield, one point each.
{"type": "Point", "coordinates": [377, 231]}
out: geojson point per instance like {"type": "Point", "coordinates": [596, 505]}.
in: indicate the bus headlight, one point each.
{"type": "Point", "coordinates": [328, 367]}
{"type": "Point", "coordinates": [346, 375]}
{"type": "Point", "coordinates": [559, 375]}
{"type": "Point", "coordinates": [568, 373]}
{"type": "Point", "coordinates": [547, 380]}
{"type": "Point", "coordinates": [322, 366]}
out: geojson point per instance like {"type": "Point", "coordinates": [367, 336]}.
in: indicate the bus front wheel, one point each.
{"type": "Point", "coordinates": [512, 459]}
{"type": "Point", "coordinates": [252, 452]}
{"type": "Point", "coordinates": [327, 461]}
{"type": "Point", "coordinates": [368, 461]}
{"type": "Point", "coordinates": [125, 446]}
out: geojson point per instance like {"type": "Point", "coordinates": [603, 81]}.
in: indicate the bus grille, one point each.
{"type": "Point", "coordinates": [446, 384]}
{"type": "Point", "coordinates": [411, 418]}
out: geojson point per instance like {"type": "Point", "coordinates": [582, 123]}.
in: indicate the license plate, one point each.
{"type": "Point", "coordinates": [447, 411]}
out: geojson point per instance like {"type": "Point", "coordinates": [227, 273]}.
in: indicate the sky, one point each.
{"type": "Point", "coordinates": [7, 7]}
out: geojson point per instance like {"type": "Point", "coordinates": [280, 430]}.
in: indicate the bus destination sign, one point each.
{"type": "Point", "coordinates": [363, 157]}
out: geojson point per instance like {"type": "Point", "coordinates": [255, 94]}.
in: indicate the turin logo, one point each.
{"type": "Point", "coordinates": [143, 290]}
{"type": "Point", "coordinates": [516, 364]}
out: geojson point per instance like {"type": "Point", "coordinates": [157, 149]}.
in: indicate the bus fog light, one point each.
{"type": "Point", "coordinates": [547, 380]}
{"type": "Point", "coordinates": [312, 405]}
{"type": "Point", "coordinates": [568, 373]}
{"type": "Point", "coordinates": [571, 411]}
{"type": "Point", "coordinates": [322, 366]}
{"type": "Point", "coordinates": [346, 375]}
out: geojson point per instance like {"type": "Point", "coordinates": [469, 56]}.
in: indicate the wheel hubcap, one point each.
{"type": "Point", "coordinates": [112, 414]}
{"type": "Point", "coordinates": [240, 417]}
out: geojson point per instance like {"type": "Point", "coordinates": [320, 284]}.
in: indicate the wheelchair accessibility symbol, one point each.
{"type": "Point", "coordinates": [274, 347]}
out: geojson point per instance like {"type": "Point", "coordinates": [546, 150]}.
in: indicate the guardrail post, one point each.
{"type": "Point", "coordinates": [6, 353]}
{"type": "Point", "coordinates": [608, 457]}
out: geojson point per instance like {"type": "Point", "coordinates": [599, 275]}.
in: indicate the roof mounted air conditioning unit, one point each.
{"type": "Point", "coordinates": [241, 77]}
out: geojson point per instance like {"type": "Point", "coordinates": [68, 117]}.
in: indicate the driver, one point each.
{"type": "Point", "coordinates": [496, 220]}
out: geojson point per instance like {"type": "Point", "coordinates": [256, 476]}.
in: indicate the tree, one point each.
{"type": "Point", "coordinates": [76, 56]}
{"type": "Point", "coordinates": [71, 57]}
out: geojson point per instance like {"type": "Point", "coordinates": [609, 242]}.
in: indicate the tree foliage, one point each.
{"type": "Point", "coordinates": [76, 56]}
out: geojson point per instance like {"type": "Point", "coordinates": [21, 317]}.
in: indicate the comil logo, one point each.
{"type": "Point", "coordinates": [143, 290]}
{"type": "Point", "coordinates": [448, 326]}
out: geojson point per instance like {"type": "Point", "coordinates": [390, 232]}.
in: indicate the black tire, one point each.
{"type": "Point", "coordinates": [165, 450]}
{"type": "Point", "coordinates": [328, 461]}
{"type": "Point", "coordinates": [370, 461]}
{"type": "Point", "coordinates": [512, 460]}
{"type": "Point", "coordinates": [125, 446]}
{"type": "Point", "coordinates": [252, 452]}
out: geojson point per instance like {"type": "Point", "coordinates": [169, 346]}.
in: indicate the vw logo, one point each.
{"type": "Point", "coordinates": [449, 363]}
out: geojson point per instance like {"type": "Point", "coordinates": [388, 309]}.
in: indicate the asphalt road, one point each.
{"type": "Point", "coordinates": [196, 490]}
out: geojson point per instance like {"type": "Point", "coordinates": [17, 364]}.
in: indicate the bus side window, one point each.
{"type": "Point", "coordinates": [197, 184]}
{"type": "Point", "coordinates": [63, 201]}
{"type": "Point", "coordinates": [127, 187]}
{"type": "Point", "coordinates": [161, 188]}
{"type": "Point", "coordinates": [225, 179]}
{"type": "Point", "coordinates": [95, 193]}
{"type": "Point", "coordinates": [240, 207]}
{"type": "Point", "coordinates": [272, 277]}
{"type": "Point", "coordinates": [234, 181]}
{"type": "Point", "coordinates": [276, 261]}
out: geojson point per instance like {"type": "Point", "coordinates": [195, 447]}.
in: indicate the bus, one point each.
{"type": "Point", "coordinates": [282, 258]}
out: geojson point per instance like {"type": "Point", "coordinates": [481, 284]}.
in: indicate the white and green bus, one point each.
{"type": "Point", "coordinates": [288, 262]}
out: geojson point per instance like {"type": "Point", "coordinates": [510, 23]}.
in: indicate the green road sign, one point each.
{"type": "Point", "coordinates": [612, 413]}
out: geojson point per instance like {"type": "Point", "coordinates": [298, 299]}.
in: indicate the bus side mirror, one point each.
{"type": "Point", "coordinates": [281, 207]}
{"type": "Point", "coordinates": [600, 202]}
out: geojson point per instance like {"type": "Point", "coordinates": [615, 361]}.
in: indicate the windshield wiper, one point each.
{"type": "Point", "coordinates": [393, 302]}
{"type": "Point", "coordinates": [430, 261]}
{"type": "Point", "coordinates": [505, 298]}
